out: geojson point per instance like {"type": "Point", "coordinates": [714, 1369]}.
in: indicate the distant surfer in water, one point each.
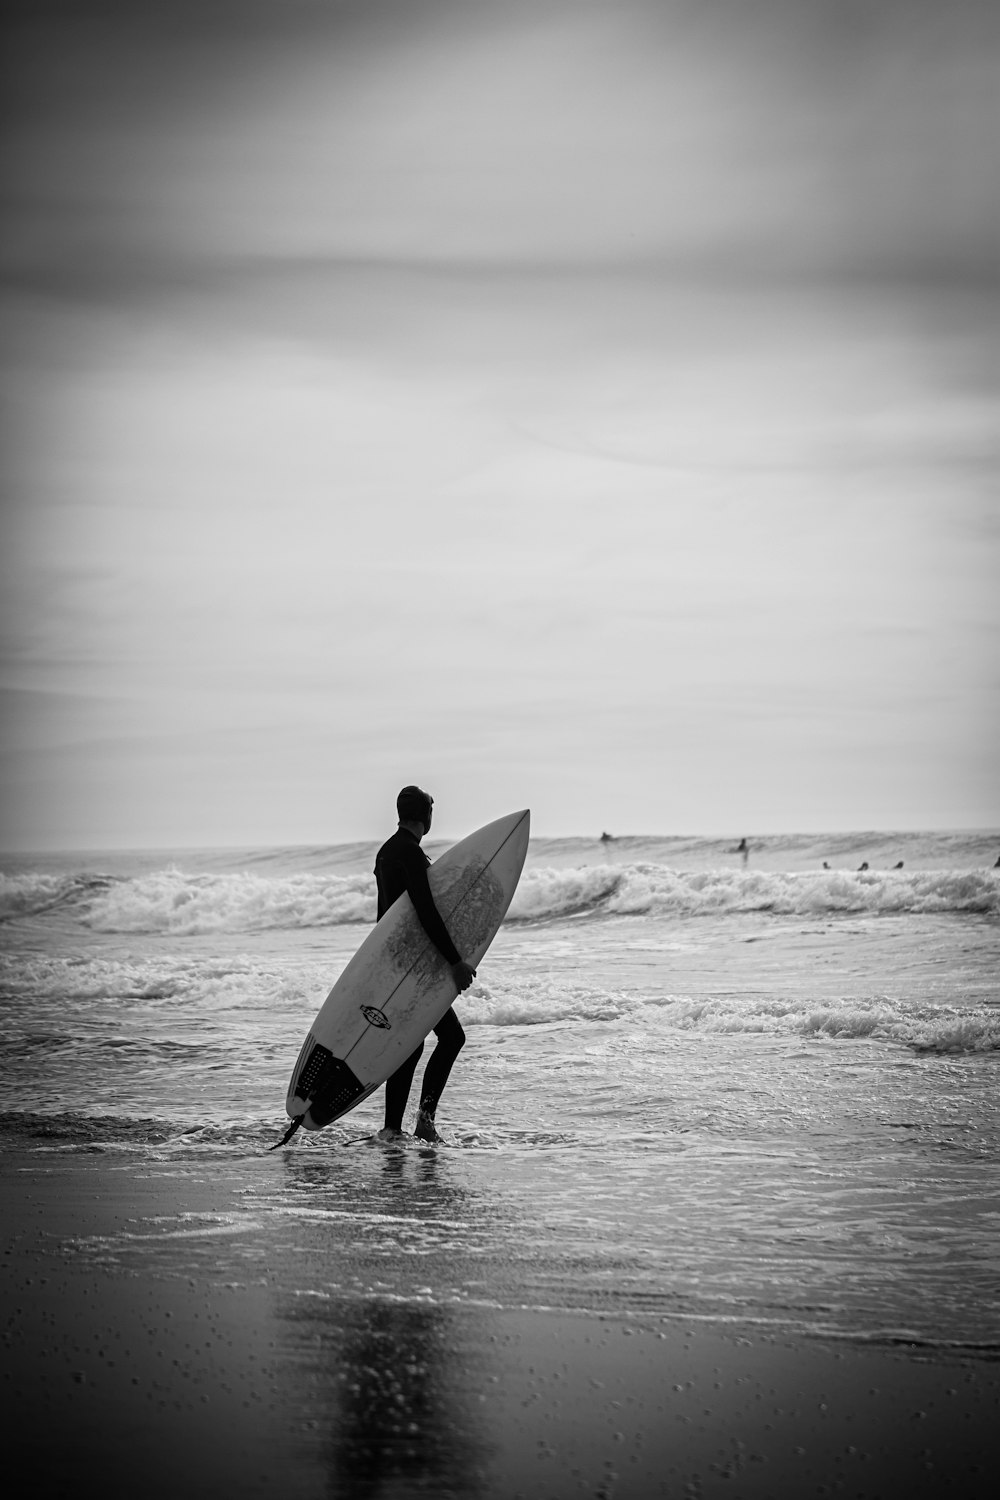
{"type": "Point", "coordinates": [743, 848]}
{"type": "Point", "coordinates": [401, 865]}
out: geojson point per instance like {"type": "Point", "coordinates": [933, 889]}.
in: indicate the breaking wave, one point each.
{"type": "Point", "coordinates": [640, 890]}
{"type": "Point", "coordinates": [175, 903]}
{"type": "Point", "coordinates": [943, 1029]}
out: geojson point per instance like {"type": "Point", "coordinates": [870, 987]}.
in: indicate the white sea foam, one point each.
{"type": "Point", "coordinates": [162, 991]}
{"type": "Point", "coordinates": [548, 1000]}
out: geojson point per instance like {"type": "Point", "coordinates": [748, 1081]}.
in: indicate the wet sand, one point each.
{"type": "Point", "coordinates": [147, 1350]}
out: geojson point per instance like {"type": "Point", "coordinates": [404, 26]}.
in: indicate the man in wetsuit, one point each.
{"type": "Point", "coordinates": [401, 865]}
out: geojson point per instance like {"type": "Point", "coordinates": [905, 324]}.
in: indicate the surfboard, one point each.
{"type": "Point", "coordinates": [397, 986]}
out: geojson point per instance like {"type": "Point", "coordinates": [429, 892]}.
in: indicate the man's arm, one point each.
{"type": "Point", "coordinates": [419, 891]}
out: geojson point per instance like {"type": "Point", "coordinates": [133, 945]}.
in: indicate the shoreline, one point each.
{"type": "Point", "coordinates": [193, 1366]}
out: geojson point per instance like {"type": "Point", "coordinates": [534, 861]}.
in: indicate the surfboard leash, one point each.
{"type": "Point", "coordinates": [293, 1127]}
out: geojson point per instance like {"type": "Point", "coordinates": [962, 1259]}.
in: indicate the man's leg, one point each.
{"type": "Point", "coordinates": [450, 1041]}
{"type": "Point", "coordinates": [397, 1091]}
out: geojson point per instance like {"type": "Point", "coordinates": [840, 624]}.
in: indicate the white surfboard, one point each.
{"type": "Point", "coordinates": [398, 986]}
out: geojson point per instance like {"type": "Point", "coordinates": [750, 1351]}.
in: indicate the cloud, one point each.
{"type": "Point", "coordinates": [407, 391]}
{"type": "Point", "coordinates": [753, 138]}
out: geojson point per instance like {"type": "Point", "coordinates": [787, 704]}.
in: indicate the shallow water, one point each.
{"type": "Point", "coordinates": [784, 1113]}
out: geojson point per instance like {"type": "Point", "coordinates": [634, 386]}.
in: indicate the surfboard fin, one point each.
{"type": "Point", "coordinates": [293, 1127]}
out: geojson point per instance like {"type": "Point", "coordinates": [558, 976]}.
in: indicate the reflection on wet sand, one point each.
{"type": "Point", "coordinates": [388, 1199]}
{"type": "Point", "coordinates": [401, 1412]}
{"type": "Point", "coordinates": [393, 1367]}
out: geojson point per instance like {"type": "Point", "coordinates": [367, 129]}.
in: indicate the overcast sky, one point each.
{"type": "Point", "coordinates": [590, 405]}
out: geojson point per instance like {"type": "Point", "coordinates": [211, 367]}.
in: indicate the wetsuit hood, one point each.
{"type": "Point", "coordinates": [414, 806]}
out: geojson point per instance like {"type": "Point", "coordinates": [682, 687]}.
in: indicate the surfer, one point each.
{"type": "Point", "coordinates": [743, 848]}
{"type": "Point", "coordinates": [401, 865]}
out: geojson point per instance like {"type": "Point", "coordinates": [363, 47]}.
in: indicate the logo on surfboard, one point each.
{"type": "Point", "coordinates": [375, 1017]}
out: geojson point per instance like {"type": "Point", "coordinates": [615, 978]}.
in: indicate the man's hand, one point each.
{"type": "Point", "coordinates": [463, 974]}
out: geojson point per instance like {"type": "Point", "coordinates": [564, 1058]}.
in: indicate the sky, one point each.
{"type": "Point", "coordinates": [584, 405]}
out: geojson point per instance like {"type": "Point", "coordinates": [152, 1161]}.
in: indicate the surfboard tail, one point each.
{"type": "Point", "coordinates": [325, 1088]}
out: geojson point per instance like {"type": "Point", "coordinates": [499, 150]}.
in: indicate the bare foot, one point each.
{"type": "Point", "coordinates": [425, 1129]}
{"type": "Point", "coordinates": [391, 1135]}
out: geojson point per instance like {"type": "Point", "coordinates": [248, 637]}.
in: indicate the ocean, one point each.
{"type": "Point", "coordinates": [758, 1091]}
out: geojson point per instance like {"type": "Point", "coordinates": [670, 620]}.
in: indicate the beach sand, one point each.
{"type": "Point", "coordinates": [159, 1341]}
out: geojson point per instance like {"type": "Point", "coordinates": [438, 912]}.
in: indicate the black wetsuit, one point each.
{"type": "Point", "coordinates": [401, 865]}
